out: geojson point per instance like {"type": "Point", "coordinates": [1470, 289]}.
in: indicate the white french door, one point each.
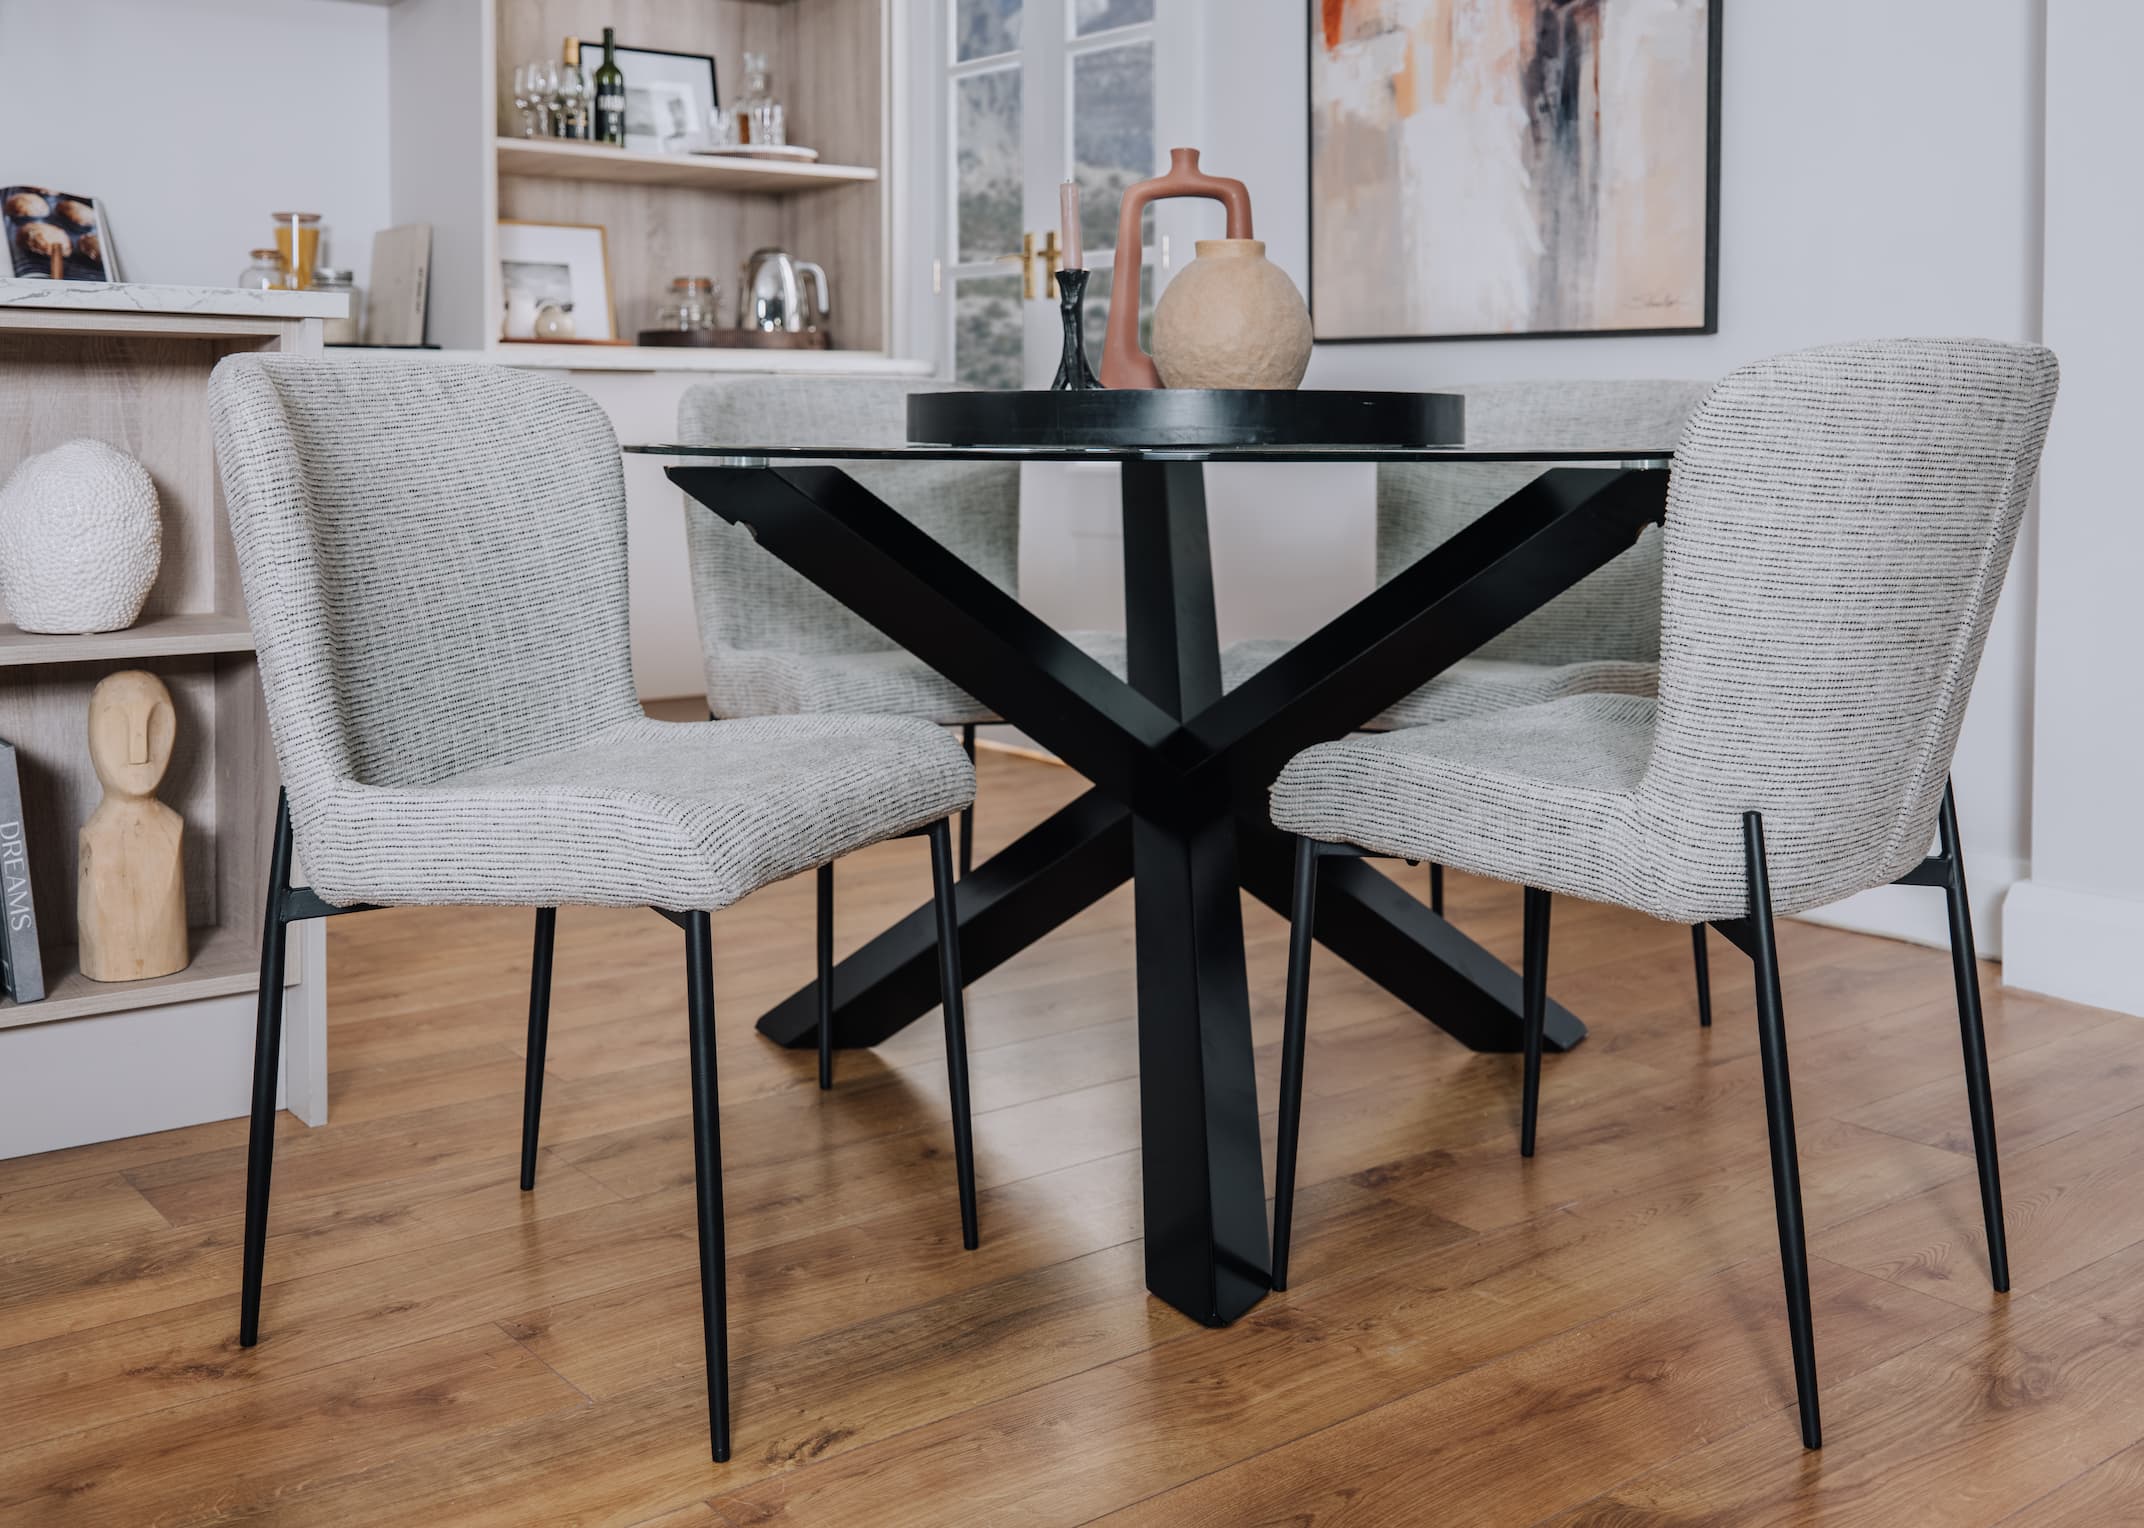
{"type": "Point", "coordinates": [1012, 98]}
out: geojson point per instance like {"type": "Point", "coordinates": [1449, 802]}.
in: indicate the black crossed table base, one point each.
{"type": "Point", "coordinates": [1180, 772]}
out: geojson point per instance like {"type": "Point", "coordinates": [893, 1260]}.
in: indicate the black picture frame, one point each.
{"type": "Point", "coordinates": [592, 55]}
{"type": "Point", "coordinates": [1711, 324]}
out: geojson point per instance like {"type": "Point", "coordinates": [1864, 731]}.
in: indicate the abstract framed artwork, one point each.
{"type": "Point", "coordinates": [1488, 169]}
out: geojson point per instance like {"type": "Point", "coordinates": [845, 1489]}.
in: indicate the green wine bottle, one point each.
{"type": "Point", "coordinates": [610, 94]}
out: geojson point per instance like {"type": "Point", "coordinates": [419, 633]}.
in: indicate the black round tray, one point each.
{"type": "Point", "coordinates": [1187, 417]}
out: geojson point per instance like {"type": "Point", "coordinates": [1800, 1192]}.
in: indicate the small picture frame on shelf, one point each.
{"type": "Point", "coordinates": [670, 98]}
{"type": "Point", "coordinates": [556, 263]}
{"type": "Point", "coordinates": [56, 234]}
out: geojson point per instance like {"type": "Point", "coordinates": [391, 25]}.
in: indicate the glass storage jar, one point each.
{"type": "Point", "coordinates": [344, 330]}
{"type": "Point", "coordinates": [693, 303]}
{"type": "Point", "coordinates": [267, 273]}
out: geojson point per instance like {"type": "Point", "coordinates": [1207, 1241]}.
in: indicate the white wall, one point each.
{"type": "Point", "coordinates": [2074, 929]}
{"type": "Point", "coordinates": [191, 122]}
{"type": "Point", "coordinates": [1880, 176]}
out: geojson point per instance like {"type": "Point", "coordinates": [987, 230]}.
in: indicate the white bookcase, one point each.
{"type": "Point", "coordinates": [128, 364]}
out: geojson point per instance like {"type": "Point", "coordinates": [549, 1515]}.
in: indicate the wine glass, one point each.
{"type": "Point", "coordinates": [570, 108]}
{"type": "Point", "coordinates": [526, 99]}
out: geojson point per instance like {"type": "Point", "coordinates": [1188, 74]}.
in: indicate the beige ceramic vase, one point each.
{"type": "Point", "coordinates": [1231, 318]}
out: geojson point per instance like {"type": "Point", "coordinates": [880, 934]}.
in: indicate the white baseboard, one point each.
{"type": "Point", "coordinates": [2079, 945]}
{"type": "Point", "coordinates": [136, 1072]}
{"type": "Point", "coordinates": [1917, 913]}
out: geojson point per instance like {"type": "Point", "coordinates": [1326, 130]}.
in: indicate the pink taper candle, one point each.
{"type": "Point", "coordinates": [1068, 208]}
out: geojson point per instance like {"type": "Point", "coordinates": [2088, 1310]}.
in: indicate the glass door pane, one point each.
{"type": "Point", "coordinates": [990, 118]}
{"type": "Point", "coordinates": [989, 332]}
{"type": "Point", "coordinates": [982, 28]}
{"type": "Point", "coordinates": [1112, 135]}
{"type": "Point", "coordinates": [1101, 15]}
{"type": "Point", "coordinates": [1110, 96]}
{"type": "Point", "coordinates": [989, 175]}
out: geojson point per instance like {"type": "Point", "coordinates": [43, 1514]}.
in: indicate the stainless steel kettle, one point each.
{"type": "Point", "coordinates": [772, 297]}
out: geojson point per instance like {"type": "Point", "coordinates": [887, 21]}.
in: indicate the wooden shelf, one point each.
{"type": "Point", "coordinates": [226, 960]}
{"type": "Point", "coordinates": [551, 159]}
{"type": "Point", "coordinates": [156, 636]}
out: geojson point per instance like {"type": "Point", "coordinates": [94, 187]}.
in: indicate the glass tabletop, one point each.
{"type": "Point", "coordinates": [744, 455]}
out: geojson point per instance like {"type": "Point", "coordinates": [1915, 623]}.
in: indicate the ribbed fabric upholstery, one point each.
{"type": "Point", "coordinates": [1615, 613]}
{"type": "Point", "coordinates": [776, 644]}
{"type": "Point", "coordinates": [1840, 522]}
{"type": "Point", "coordinates": [1472, 686]}
{"type": "Point", "coordinates": [434, 564]}
{"type": "Point", "coordinates": [1602, 635]}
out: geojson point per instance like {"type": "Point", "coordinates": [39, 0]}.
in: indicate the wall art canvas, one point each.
{"type": "Point", "coordinates": [1484, 168]}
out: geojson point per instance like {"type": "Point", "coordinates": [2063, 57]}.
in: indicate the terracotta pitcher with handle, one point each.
{"type": "Point", "coordinates": [1231, 319]}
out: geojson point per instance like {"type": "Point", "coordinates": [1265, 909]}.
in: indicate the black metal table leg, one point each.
{"type": "Point", "coordinates": [1553, 532]}
{"type": "Point", "coordinates": [1203, 1176]}
{"type": "Point", "coordinates": [1193, 764]}
{"type": "Point", "coordinates": [1057, 869]}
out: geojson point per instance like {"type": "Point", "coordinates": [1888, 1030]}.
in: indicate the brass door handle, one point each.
{"type": "Point", "coordinates": [1050, 254]}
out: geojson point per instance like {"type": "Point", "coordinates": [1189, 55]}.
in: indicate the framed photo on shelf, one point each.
{"type": "Point", "coordinates": [670, 98]}
{"type": "Point", "coordinates": [1506, 169]}
{"type": "Point", "coordinates": [563, 263]}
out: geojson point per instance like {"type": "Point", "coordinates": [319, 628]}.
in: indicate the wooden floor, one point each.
{"type": "Point", "coordinates": [1593, 1337]}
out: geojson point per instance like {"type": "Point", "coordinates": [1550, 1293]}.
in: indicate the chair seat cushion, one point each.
{"type": "Point", "coordinates": [1541, 795]}
{"type": "Point", "coordinates": [659, 814]}
{"type": "Point", "coordinates": [890, 682]}
{"type": "Point", "coordinates": [1472, 686]}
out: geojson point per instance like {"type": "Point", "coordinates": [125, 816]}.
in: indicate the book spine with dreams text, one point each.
{"type": "Point", "coordinates": [22, 971]}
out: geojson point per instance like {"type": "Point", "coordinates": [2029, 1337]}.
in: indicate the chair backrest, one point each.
{"type": "Point", "coordinates": [1839, 524]}
{"type": "Point", "coordinates": [746, 597]}
{"type": "Point", "coordinates": [1614, 613]}
{"type": "Point", "coordinates": [434, 564]}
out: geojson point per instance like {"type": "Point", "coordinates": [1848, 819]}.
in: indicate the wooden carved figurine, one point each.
{"type": "Point", "coordinates": [131, 908]}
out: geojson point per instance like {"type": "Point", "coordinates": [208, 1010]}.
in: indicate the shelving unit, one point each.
{"type": "Point", "coordinates": [550, 159]}
{"type": "Point", "coordinates": [458, 164]}
{"type": "Point", "coordinates": [225, 961]}
{"type": "Point", "coordinates": [153, 636]}
{"type": "Point", "coordinates": [129, 365]}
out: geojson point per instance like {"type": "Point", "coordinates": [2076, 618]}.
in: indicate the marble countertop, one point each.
{"type": "Point", "coordinates": [658, 358]}
{"type": "Point", "coordinates": [150, 297]}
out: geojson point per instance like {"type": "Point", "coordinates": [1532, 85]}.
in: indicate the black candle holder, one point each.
{"type": "Point", "coordinates": [1073, 373]}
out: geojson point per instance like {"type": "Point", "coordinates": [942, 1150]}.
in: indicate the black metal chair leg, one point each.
{"type": "Point", "coordinates": [707, 1176]}
{"type": "Point", "coordinates": [267, 1072]}
{"type": "Point", "coordinates": [1702, 958]}
{"type": "Point", "coordinates": [1436, 888]}
{"type": "Point", "coordinates": [1779, 1117]}
{"type": "Point", "coordinates": [1534, 1011]}
{"type": "Point", "coordinates": [956, 1030]}
{"type": "Point", "coordinates": [826, 976]}
{"type": "Point", "coordinates": [1965, 969]}
{"type": "Point", "coordinates": [539, 1035]}
{"type": "Point", "coordinates": [967, 817]}
{"type": "Point", "coordinates": [1301, 921]}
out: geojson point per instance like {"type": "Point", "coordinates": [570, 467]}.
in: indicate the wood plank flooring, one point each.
{"type": "Point", "coordinates": [1594, 1337]}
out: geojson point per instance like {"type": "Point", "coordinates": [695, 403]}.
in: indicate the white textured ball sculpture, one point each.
{"type": "Point", "coordinates": [80, 538]}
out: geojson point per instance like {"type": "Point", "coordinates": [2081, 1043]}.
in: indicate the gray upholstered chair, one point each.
{"type": "Point", "coordinates": [775, 644]}
{"type": "Point", "coordinates": [1838, 528]}
{"type": "Point", "coordinates": [1600, 637]}
{"type": "Point", "coordinates": [434, 564]}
